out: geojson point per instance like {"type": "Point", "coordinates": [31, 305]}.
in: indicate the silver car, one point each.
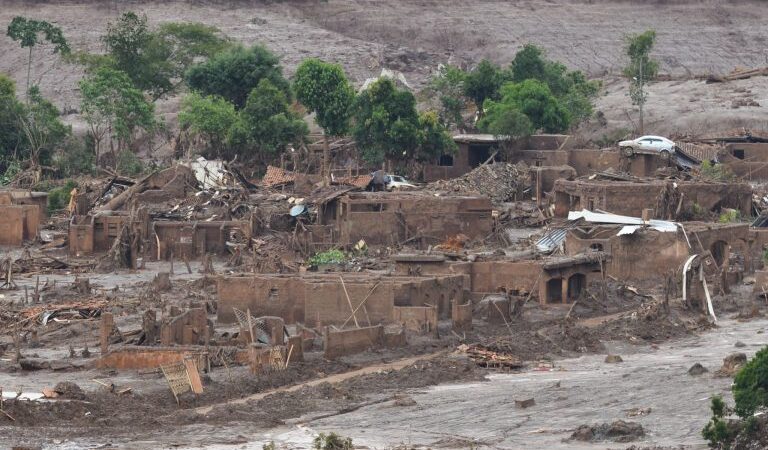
{"type": "Point", "coordinates": [648, 144]}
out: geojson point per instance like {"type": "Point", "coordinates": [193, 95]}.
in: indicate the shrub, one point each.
{"type": "Point", "coordinates": [715, 172]}
{"type": "Point", "coordinates": [75, 158]}
{"type": "Point", "coordinates": [729, 216]}
{"type": "Point", "coordinates": [750, 386]}
{"type": "Point", "coordinates": [327, 257]}
{"type": "Point", "coordinates": [332, 441]}
{"type": "Point", "coordinates": [58, 198]}
{"type": "Point", "coordinates": [129, 164]}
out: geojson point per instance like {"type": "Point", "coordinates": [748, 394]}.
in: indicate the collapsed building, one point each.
{"type": "Point", "coordinates": [21, 213]}
{"type": "Point", "coordinates": [669, 199]}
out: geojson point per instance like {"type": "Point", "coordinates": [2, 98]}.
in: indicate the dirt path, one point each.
{"type": "Point", "coordinates": [336, 378]}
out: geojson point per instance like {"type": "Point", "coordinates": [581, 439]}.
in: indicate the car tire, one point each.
{"type": "Point", "coordinates": [665, 155]}
{"type": "Point", "coordinates": [627, 151]}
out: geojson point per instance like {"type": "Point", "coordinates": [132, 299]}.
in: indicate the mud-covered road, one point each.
{"type": "Point", "coordinates": [590, 391]}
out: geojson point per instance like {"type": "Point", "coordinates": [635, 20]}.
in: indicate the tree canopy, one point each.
{"type": "Point", "coordinates": [234, 73]}
{"type": "Point", "coordinates": [324, 89]}
{"type": "Point", "coordinates": [387, 126]}
{"type": "Point", "coordinates": [114, 108]}
{"type": "Point", "coordinates": [155, 60]}
{"type": "Point", "coordinates": [28, 33]}
{"type": "Point", "coordinates": [209, 117]}
{"type": "Point", "coordinates": [483, 82]}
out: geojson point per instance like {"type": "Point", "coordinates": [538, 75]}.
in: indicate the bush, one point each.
{"type": "Point", "coordinates": [750, 386]}
{"type": "Point", "coordinates": [75, 158]}
{"type": "Point", "coordinates": [58, 198]}
{"type": "Point", "coordinates": [719, 432]}
{"type": "Point", "coordinates": [729, 216]}
{"type": "Point", "coordinates": [129, 164]}
{"type": "Point", "coordinates": [715, 172]}
{"type": "Point", "coordinates": [332, 441]}
{"type": "Point", "coordinates": [327, 257]}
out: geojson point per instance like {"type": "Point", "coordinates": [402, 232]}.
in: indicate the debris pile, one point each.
{"type": "Point", "coordinates": [501, 182]}
{"type": "Point", "coordinates": [618, 431]}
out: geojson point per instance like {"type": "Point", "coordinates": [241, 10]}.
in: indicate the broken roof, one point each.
{"type": "Point", "coordinates": [632, 224]}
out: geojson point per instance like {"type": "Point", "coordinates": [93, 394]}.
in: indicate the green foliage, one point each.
{"type": "Point", "coordinates": [387, 126]}
{"type": "Point", "coordinates": [483, 83]}
{"type": "Point", "coordinates": [765, 257]}
{"type": "Point", "coordinates": [720, 432]}
{"type": "Point", "coordinates": [129, 164]}
{"type": "Point", "coordinates": [531, 98]}
{"type": "Point", "coordinates": [434, 139]}
{"type": "Point", "coordinates": [11, 169]}
{"type": "Point", "coordinates": [750, 386]}
{"type": "Point", "coordinates": [327, 257]}
{"type": "Point", "coordinates": [12, 138]}
{"type": "Point", "coordinates": [75, 158]}
{"type": "Point", "coordinates": [572, 89]}
{"type": "Point", "coordinates": [729, 216]}
{"type": "Point", "coordinates": [58, 198]}
{"type": "Point", "coordinates": [209, 117]}
{"type": "Point", "coordinates": [332, 441]}
{"type": "Point", "coordinates": [114, 108]}
{"type": "Point", "coordinates": [267, 120]}
{"type": "Point", "coordinates": [27, 32]}
{"type": "Point", "coordinates": [324, 89]}
{"type": "Point", "coordinates": [448, 85]}
{"type": "Point", "coordinates": [505, 120]}
{"type": "Point", "coordinates": [234, 73]}
{"type": "Point", "coordinates": [715, 172]}
{"type": "Point", "coordinates": [155, 60]}
{"type": "Point", "coordinates": [269, 446]}
{"type": "Point", "coordinates": [641, 67]}
{"type": "Point", "coordinates": [43, 131]}
{"type": "Point", "coordinates": [638, 48]}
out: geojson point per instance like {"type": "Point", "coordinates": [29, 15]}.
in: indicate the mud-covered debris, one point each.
{"type": "Point", "coordinates": [525, 403]}
{"type": "Point", "coordinates": [618, 431]}
{"type": "Point", "coordinates": [697, 369]}
{"type": "Point", "coordinates": [731, 364]}
{"type": "Point", "coordinates": [612, 359]}
{"type": "Point", "coordinates": [501, 182]}
{"type": "Point", "coordinates": [70, 390]}
{"type": "Point", "coordinates": [404, 400]}
{"type": "Point", "coordinates": [739, 344]}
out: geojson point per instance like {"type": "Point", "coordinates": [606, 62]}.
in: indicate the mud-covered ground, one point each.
{"type": "Point", "coordinates": [414, 36]}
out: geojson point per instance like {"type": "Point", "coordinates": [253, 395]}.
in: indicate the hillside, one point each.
{"type": "Point", "coordinates": [694, 38]}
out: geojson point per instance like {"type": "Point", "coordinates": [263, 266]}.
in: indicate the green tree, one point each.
{"type": "Point", "coordinates": [531, 98]}
{"type": "Point", "coordinates": [324, 89]}
{"type": "Point", "coordinates": [571, 88]}
{"type": "Point", "coordinates": [268, 122]}
{"type": "Point", "coordinates": [234, 73]}
{"type": "Point", "coordinates": [750, 386]}
{"type": "Point", "coordinates": [12, 139]}
{"type": "Point", "coordinates": [505, 121]}
{"type": "Point", "coordinates": [386, 124]}
{"type": "Point", "coordinates": [641, 69]}
{"type": "Point", "coordinates": [209, 117]}
{"type": "Point", "coordinates": [27, 32]}
{"type": "Point", "coordinates": [42, 129]}
{"type": "Point", "coordinates": [155, 60]}
{"type": "Point", "coordinates": [483, 82]}
{"type": "Point", "coordinates": [448, 85]}
{"type": "Point", "coordinates": [434, 139]}
{"type": "Point", "coordinates": [114, 109]}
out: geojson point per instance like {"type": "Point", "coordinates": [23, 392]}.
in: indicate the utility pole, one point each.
{"type": "Point", "coordinates": [641, 103]}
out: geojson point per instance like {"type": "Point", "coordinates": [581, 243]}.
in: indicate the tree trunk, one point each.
{"type": "Point", "coordinates": [326, 160]}
{"type": "Point", "coordinates": [29, 72]}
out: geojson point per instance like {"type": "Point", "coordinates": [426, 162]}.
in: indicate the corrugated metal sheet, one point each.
{"type": "Point", "coordinates": [553, 238]}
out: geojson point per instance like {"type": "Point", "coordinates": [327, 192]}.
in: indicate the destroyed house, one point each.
{"type": "Point", "coordinates": [21, 213]}
{"type": "Point", "coordinates": [329, 299]}
{"type": "Point", "coordinates": [390, 218]}
{"type": "Point", "coordinates": [476, 149]}
{"type": "Point", "coordinates": [645, 255]}
{"type": "Point", "coordinates": [631, 198]}
{"type": "Point", "coordinates": [552, 280]}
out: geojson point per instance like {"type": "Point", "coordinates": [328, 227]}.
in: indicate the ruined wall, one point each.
{"type": "Point", "coordinates": [348, 342]}
{"type": "Point", "coordinates": [189, 328]}
{"type": "Point", "coordinates": [514, 277]}
{"type": "Point", "coordinates": [438, 292]}
{"type": "Point", "coordinates": [393, 219]}
{"type": "Point", "coordinates": [326, 302]}
{"type": "Point", "coordinates": [628, 198]}
{"type": "Point", "coordinates": [18, 223]}
{"type": "Point", "coordinates": [193, 240]}
{"type": "Point", "coordinates": [264, 295]}
{"type": "Point", "coordinates": [421, 319]}
{"type": "Point", "coordinates": [461, 316]}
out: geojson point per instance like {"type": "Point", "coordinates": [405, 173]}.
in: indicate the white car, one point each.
{"type": "Point", "coordinates": [395, 182]}
{"type": "Point", "coordinates": [648, 144]}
